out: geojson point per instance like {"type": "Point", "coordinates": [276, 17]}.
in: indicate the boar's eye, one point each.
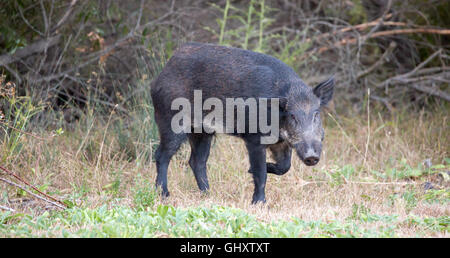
{"type": "Point", "coordinates": [294, 118]}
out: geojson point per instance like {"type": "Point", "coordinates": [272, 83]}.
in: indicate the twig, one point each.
{"type": "Point", "coordinates": [65, 16]}
{"type": "Point", "coordinates": [377, 26]}
{"type": "Point", "coordinates": [384, 101]}
{"type": "Point", "coordinates": [44, 44]}
{"type": "Point", "coordinates": [26, 20]}
{"type": "Point", "coordinates": [313, 182]}
{"type": "Point", "coordinates": [408, 31]}
{"type": "Point", "coordinates": [382, 183]}
{"type": "Point", "coordinates": [14, 73]}
{"type": "Point", "coordinates": [432, 77]}
{"type": "Point", "coordinates": [30, 185]}
{"type": "Point", "coordinates": [33, 48]}
{"type": "Point", "coordinates": [431, 91]}
{"type": "Point", "coordinates": [360, 182]}
{"type": "Point", "coordinates": [358, 27]}
{"type": "Point", "coordinates": [7, 208]}
{"type": "Point", "coordinates": [434, 69]}
{"type": "Point", "coordinates": [44, 17]}
{"type": "Point", "coordinates": [413, 71]}
{"type": "Point", "coordinates": [380, 61]}
{"type": "Point", "coordinates": [31, 193]}
{"type": "Point", "coordinates": [347, 41]}
{"type": "Point", "coordinates": [403, 77]}
{"type": "Point", "coordinates": [105, 51]}
{"type": "Point", "coordinates": [140, 15]}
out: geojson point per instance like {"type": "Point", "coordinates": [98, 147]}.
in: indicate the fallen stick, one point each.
{"type": "Point", "coordinates": [361, 182]}
{"type": "Point", "coordinates": [30, 185]}
{"type": "Point", "coordinates": [31, 193]}
{"type": "Point", "coordinates": [382, 183]}
{"type": "Point", "coordinates": [7, 208]}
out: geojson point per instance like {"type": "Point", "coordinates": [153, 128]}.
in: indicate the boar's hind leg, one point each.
{"type": "Point", "coordinates": [170, 143]}
{"type": "Point", "coordinates": [200, 146]}
{"type": "Point", "coordinates": [281, 153]}
{"type": "Point", "coordinates": [258, 168]}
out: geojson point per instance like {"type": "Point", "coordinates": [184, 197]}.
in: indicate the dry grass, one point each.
{"type": "Point", "coordinates": [87, 166]}
{"type": "Point", "coordinates": [306, 192]}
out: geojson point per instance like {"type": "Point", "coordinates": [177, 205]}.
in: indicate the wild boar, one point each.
{"type": "Point", "coordinates": [208, 73]}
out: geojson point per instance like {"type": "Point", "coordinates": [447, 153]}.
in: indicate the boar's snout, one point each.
{"type": "Point", "coordinates": [311, 160]}
{"type": "Point", "coordinates": [309, 153]}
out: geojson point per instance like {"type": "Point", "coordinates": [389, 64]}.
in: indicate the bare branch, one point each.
{"type": "Point", "coordinates": [31, 193]}
{"type": "Point", "coordinates": [7, 208]}
{"type": "Point", "coordinates": [141, 8]}
{"type": "Point", "coordinates": [384, 101]}
{"type": "Point", "coordinates": [30, 185]}
{"type": "Point", "coordinates": [14, 73]}
{"type": "Point", "coordinates": [381, 20]}
{"type": "Point", "coordinates": [347, 41]}
{"type": "Point", "coordinates": [26, 20]}
{"type": "Point", "coordinates": [378, 63]}
{"type": "Point", "coordinates": [95, 56]}
{"type": "Point", "coordinates": [65, 16]}
{"type": "Point", "coordinates": [33, 48]}
{"type": "Point", "coordinates": [359, 27]}
{"type": "Point", "coordinates": [44, 17]}
{"type": "Point", "coordinates": [410, 73]}
{"type": "Point", "coordinates": [431, 91]}
{"type": "Point", "coordinates": [417, 68]}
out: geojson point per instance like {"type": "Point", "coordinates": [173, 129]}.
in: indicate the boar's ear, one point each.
{"type": "Point", "coordinates": [324, 91]}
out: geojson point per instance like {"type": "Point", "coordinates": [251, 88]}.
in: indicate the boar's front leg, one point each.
{"type": "Point", "coordinates": [258, 168]}
{"type": "Point", "coordinates": [281, 153]}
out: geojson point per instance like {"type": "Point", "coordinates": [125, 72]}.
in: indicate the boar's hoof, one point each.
{"type": "Point", "coordinates": [258, 200]}
{"type": "Point", "coordinates": [164, 194]}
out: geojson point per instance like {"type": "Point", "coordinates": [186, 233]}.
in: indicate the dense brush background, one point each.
{"type": "Point", "coordinates": [76, 119]}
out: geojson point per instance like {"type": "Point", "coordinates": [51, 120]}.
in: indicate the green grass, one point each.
{"type": "Point", "coordinates": [214, 221]}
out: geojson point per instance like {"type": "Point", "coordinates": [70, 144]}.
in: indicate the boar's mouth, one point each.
{"type": "Point", "coordinates": [307, 154]}
{"type": "Point", "coordinates": [307, 151]}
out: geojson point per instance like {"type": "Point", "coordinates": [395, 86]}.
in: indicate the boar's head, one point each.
{"type": "Point", "coordinates": [301, 125]}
